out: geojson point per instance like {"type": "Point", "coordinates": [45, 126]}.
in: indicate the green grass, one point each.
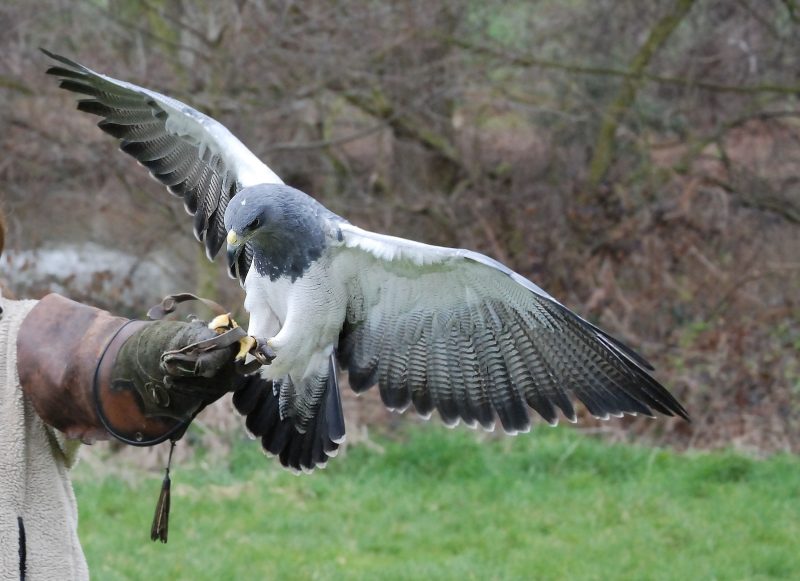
{"type": "Point", "coordinates": [444, 505]}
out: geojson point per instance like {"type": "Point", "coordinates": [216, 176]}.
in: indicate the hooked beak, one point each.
{"type": "Point", "coordinates": [234, 247]}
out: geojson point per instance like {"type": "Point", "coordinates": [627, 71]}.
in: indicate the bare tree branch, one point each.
{"type": "Point", "coordinates": [603, 150]}
{"type": "Point", "coordinates": [377, 105]}
{"type": "Point", "coordinates": [323, 143]}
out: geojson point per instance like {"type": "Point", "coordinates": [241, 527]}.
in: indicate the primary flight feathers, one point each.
{"type": "Point", "coordinates": [197, 158]}
{"type": "Point", "coordinates": [433, 327]}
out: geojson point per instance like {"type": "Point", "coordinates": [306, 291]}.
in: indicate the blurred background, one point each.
{"type": "Point", "coordinates": [639, 160]}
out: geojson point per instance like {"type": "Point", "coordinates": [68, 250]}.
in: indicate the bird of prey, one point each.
{"type": "Point", "coordinates": [438, 328]}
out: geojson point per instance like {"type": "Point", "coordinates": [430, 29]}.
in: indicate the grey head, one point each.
{"type": "Point", "coordinates": [285, 228]}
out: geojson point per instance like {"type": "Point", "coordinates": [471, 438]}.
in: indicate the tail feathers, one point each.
{"type": "Point", "coordinates": [332, 406]}
{"type": "Point", "coordinates": [280, 437]}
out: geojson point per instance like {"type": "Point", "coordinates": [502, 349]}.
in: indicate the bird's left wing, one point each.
{"type": "Point", "coordinates": [453, 330]}
{"type": "Point", "coordinates": [196, 157]}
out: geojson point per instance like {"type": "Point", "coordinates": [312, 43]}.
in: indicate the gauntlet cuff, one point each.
{"type": "Point", "coordinates": [64, 348]}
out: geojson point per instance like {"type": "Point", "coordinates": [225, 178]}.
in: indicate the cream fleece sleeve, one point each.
{"type": "Point", "coordinates": [38, 512]}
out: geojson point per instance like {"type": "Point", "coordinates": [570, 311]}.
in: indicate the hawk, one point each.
{"type": "Point", "coordinates": [438, 328]}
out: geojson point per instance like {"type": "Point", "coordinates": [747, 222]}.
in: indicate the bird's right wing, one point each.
{"type": "Point", "coordinates": [196, 157]}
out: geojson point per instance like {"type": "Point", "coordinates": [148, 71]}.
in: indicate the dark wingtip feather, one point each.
{"type": "Point", "coordinates": [62, 72]}
{"type": "Point", "coordinates": [669, 402]}
{"type": "Point", "coordinates": [62, 59]}
{"type": "Point", "coordinates": [610, 340]}
{"type": "Point", "coordinates": [644, 388]}
{"type": "Point", "coordinates": [200, 224]}
{"type": "Point", "coordinates": [543, 406]}
{"type": "Point", "coordinates": [627, 351]}
{"type": "Point", "coordinates": [78, 87]}
{"type": "Point", "coordinates": [135, 149]}
{"type": "Point", "coordinates": [213, 242]}
{"type": "Point", "coordinates": [114, 129]}
{"type": "Point", "coordinates": [94, 107]}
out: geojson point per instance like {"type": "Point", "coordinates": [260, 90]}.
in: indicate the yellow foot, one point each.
{"type": "Point", "coordinates": [246, 344]}
{"type": "Point", "coordinates": [222, 323]}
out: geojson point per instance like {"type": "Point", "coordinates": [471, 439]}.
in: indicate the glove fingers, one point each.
{"type": "Point", "coordinates": [195, 364]}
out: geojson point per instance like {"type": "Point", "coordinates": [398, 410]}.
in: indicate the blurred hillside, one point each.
{"type": "Point", "coordinates": [640, 161]}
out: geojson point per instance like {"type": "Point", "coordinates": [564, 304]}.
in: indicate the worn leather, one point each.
{"type": "Point", "coordinates": [59, 346]}
{"type": "Point", "coordinates": [178, 386]}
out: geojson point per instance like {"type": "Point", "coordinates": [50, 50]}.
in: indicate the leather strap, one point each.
{"type": "Point", "coordinates": [114, 404]}
{"type": "Point", "coordinates": [190, 353]}
{"type": "Point", "coordinates": [170, 302]}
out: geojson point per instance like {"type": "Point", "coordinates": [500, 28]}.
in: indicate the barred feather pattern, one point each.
{"type": "Point", "coordinates": [487, 350]}
{"type": "Point", "coordinates": [195, 157]}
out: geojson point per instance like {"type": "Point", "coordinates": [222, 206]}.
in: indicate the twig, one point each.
{"type": "Point", "coordinates": [528, 61]}
{"type": "Point", "coordinates": [323, 143]}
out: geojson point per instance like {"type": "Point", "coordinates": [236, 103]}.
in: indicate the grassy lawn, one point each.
{"type": "Point", "coordinates": [444, 505]}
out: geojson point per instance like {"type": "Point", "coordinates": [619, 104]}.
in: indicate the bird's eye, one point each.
{"type": "Point", "coordinates": [254, 224]}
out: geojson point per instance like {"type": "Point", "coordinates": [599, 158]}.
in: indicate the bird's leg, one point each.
{"type": "Point", "coordinates": [262, 351]}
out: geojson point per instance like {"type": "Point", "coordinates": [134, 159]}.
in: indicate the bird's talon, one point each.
{"type": "Point", "coordinates": [222, 323]}
{"type": "Point", "coordinates": [246, 345]}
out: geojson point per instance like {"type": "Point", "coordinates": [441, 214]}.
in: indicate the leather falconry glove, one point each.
{"type": "Point", "coordinates": [91, 374]}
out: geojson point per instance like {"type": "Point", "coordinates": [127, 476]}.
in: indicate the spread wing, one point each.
{"type": "Point", "coordinates": [196, 157]}
{"type": "Point", "coordinates": [458, 332]}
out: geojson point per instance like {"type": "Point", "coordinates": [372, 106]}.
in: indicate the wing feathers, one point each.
{"type": "Point", "coordinates": [366, 346]}
{"type": "Point", "coordinates": [475, 384]}
{"type": "Point", "coordinates": [394, 389]}
{"type": "Point", "coordinates": [190, 153]}
{"type": "Point", "coordinates": [459, 383]}
{"type": "Point", "coordinates": [141, 131]}
{"type": "Point", "coordinates": [505, 399]}
{"type": "Point", "coordinates": [418, 377]}
{"type": "Point", "coordinates": [442, 384]}
{"type": "Point", "coordinates": [536, 381]}
{"type": "Point", "coordinates": [215, 233]}
{"type": "Point", "coordinates": [455, 331]}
